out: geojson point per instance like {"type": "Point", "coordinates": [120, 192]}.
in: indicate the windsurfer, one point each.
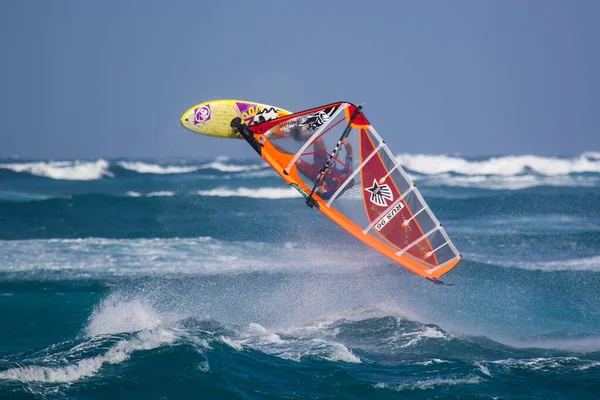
{"type": "Point", "coordinates": [335, 176]}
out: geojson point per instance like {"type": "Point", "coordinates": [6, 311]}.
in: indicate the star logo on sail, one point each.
{"type": "Point", "coordinates": [380, 193]}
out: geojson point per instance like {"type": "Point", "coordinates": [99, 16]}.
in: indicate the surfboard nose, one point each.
{"type": "Point", "coordinates": [187, 119]}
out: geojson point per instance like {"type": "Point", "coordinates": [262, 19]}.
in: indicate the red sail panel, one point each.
{"type": "Point", "coordinates": [378, 196]}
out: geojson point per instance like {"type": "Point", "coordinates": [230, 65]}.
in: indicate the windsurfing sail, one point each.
{"type": "Point", "coordinates": [335, 158]}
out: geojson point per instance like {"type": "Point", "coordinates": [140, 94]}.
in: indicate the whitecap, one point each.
{"type": "Point", "coordinates": [144, 168]}
{"type": "Point", "coordinates": [429, 383]}
{"type": "Point", "coordinates": [518, 182]}
{"type": "Point", "coordinates": [117, 315]}
{"type": "Point", "coordinates": [63, 170]}
{"type": "Point", "coordinates": [257, 193]}
{"type": "Point", "coordinates": [502, 166]}
{"type": "Point", "coordinates": [162, 193]}
{"type": "Point", "coordinates": [223, 167]}
{"type": "Point", "coordinates": [87, 367]}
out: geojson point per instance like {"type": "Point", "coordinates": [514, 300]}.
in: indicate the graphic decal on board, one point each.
{"type": "Point", "coordinates": [266, 114]}
{"type": "Point", "coordinates": [201, 114]}
{"type": "Point", "coordinates": [252, 113]}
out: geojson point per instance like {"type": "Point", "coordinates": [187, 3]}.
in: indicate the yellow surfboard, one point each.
{"type": "Point", "coordinates": [213, 118]}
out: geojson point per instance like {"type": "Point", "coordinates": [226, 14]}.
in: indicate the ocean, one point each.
{"type": "Point", "coordinates": [211, 279]}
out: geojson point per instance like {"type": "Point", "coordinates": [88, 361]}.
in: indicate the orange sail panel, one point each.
{"type": "Point", "coordinates": [334, 153]}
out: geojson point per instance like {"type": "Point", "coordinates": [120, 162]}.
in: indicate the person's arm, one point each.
{"type": "Point", "coordinates": [348, 146]}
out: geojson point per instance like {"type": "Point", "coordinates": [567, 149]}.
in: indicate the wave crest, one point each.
{"type": "Point", "coordinates": [219, 165]}
{"type": "Point", "coordinates": [144, 168]}
{"type": "Point", "coordinates": [258, 193]}
{"type": "Point", "coordinates": [63, 170]}
{"type": "Point", "coordinates": [161, 193]}
{"type": "Point", "coordinates": [502, 166]}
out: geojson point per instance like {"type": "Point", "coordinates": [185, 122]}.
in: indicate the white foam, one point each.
{"type": "Point", "coordinates": [204, 366]}
{"type": "Point", "coordinates": [484, 370]}
{"type": "Point", "coordinates": [120, 352]}
{"type": "Point", "coordinates": [591, 155]}
{"type": "Point", "coordinates": [430, 383]}
{"type": "Point", "coordinates": [264, 335]}
{"type": "Point", "coordinates": [46, 258]}
{"type": "Point", "coordinates": [590, 264]}
{"type": "Point", "coordinates": [292, 347]}
{"type": "Point", "coordinates": [415, 337]}
{"type": "Point", "coordinates": [339, 352]}
{"type": "Point", "coordinates": [163, 193]}
{"type": "Point", "coordinates": [231, 343]}
{"type": "Point", "coordinates": [223, 167]}
{"type": "Point", "coordinates": [258, 193]}
{"type": "Point", "coordinates": [64, 170]}
{"type": "Point", "coordinates": [433, 361]}
{"type": "Point", "coordinates": [502, 166]}
{"type": "Point", "coordinates": [118, 315]}
{"type": "Point", "coordinates": [257, 174]}
{"type": "Point", "coordinates": [114, 315]}
{"type": "Point", "coordinates": [144, 168]}
{"type": "Point", "coordinates": [508, 182]}
{"type": "Point", "coordinates": [592, 364]}
{"type": "Point", "coordinates": [541, 363]}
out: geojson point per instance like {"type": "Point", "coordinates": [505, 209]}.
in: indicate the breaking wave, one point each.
{"type": "Point", "coordinates": [495, 173]}
{"type": "Point", "coordinates": [65, 170]}
{"type": "Point", "coordinates": [502, 166]}
{"type": "Point", "coordinates": [220, 164]}
{"type": "Point", "coordinates": [114, 315]}
{"type": "Point", "coordinates": [517, 182]}
{"type": "Point", "coordinates": [162, 193]}
{"type": "Point", "coordinates": [144, 168]}
{"type": "Point", "coordinates": [223, 167]}
{"type": "Point", "coordinates": [259, 193]}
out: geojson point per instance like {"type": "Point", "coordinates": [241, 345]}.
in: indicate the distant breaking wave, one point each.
{"type": "Point", "coordinates": [517, 182]}
{"type": "Point", "coordinates": [259, 193]}
{"type": "Point", "coordinates": [501, 166]}
{"type": "Point", "coordinates": [220, 166]}
{"type": "Point", "coordinates": [161, 193]}
{"type": "Point", "coordinates": [504, 172]}
{"type": "Point", "coordinates": [144, 168]}
{"type": "Point", "coordinates": [592, 155]}
{"type": "Point", "coordinates": [94, 170]}
{"type": "Point", "coordinates": [217, 165]}
{"type": "Point", "coordinates": [64, 170]}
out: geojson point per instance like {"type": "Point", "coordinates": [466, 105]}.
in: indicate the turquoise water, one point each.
{"type": "Point", "coordinates": [212, 279]}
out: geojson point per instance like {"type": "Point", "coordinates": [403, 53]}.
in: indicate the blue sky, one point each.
{"type": "Point", "coordinates": [86, 79]}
